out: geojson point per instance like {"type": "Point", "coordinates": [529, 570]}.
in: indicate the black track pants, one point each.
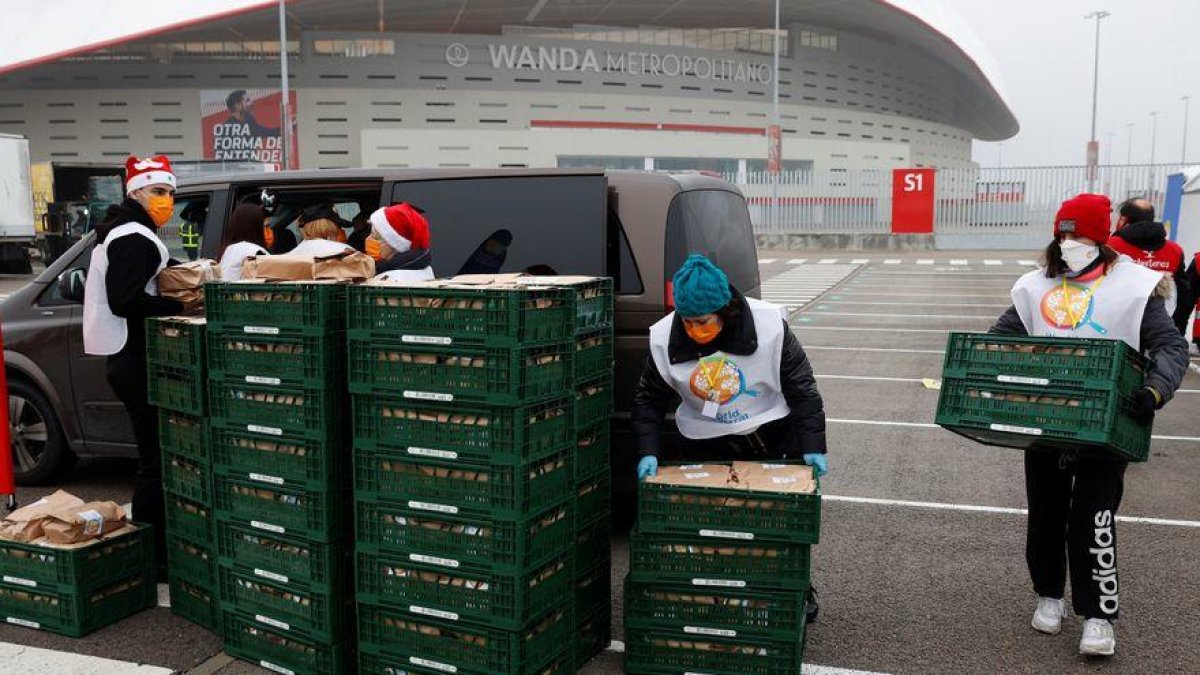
{"type": "Point", "coordinates": [1072, 519]}
{"type": "Point", "coordinates": [127, 377]}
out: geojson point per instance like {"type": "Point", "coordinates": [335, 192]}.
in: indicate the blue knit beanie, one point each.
{"type": "Point", "coordinates": [700, 287]}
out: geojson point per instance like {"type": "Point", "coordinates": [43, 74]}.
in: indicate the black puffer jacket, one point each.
{"type": "Point", "coordinates": [654, 397]}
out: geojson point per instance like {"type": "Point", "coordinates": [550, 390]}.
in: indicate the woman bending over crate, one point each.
{"type": "Point", "coordinates": [1088, 290]}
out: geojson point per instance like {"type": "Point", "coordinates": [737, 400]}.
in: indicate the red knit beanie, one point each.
{"type": "Point", "coordinates": [1085, 215]}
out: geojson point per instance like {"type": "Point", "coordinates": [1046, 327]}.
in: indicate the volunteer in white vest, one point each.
{"type": "Point", "coordinates": [120, 293]}
{"type": "Point", "coordinates": [399, 243]}
{"type": "Point", "coordinates": [243, 239]}
{"type": "Point", "coordinates": [1088, 290]}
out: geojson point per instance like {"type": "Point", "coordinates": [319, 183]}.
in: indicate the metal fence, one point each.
{"type": "Point", "coordinates": [819, 202]}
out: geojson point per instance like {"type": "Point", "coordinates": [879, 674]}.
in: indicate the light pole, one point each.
{"type": "Point", "coordinates": [1098, 15]}
{"type": "Point", "coordinates": [777, 136]}
{"type": "Point", "coordinates": [1186, 103]}
{"type": "Point", "coordinates": [286, 136]}
{"type": "Point", "coordinates": [1129, 145]}
{"type": "Point", "coordinates": [1153, 136]}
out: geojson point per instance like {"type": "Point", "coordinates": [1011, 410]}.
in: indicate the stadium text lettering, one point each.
{"type": "Point", "coordinates": [567, 59]}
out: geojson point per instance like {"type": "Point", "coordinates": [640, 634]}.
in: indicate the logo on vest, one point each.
{"type": "Point", "coordinates": [717, 378]}
{"type": "Point", "coordinates": [1070, 307]}
{"type": "Point", "coordinates": [1104, 573]}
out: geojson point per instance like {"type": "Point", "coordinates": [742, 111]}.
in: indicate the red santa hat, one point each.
{"type": "Point", "coordinates": [401, 226]}
{"type": "Point", "coordinates": [150, 171]}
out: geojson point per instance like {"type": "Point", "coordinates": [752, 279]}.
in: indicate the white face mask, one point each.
{"type": "Point", "coordinates": [1078, 255]}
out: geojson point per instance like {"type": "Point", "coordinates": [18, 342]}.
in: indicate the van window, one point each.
{"type": "Point", "coordinates": [717, 224]}
{"type": "Point", "coordinates": [184, 232]}
{"type": "Point", "coordinates": [543, 224]}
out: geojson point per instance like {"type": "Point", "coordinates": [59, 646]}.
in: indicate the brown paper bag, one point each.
{"type": "Point", "coordinates": [25, 524]}
{"type": "Point", "coordinates": [83, 523]}
{"type": "Point", "coordinates": [188, 276]}
{"type": "Point", "coordinates": [696, 475]}
{"type": "Point", "coordinates": [352, 266]}
{"type": "Point", "coordinates": [349, 266]}
{"type": "Point", "coordinates": [768, 477]}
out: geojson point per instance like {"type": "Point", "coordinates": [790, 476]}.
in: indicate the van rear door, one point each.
{"type": "Point", "coordinates": [717, 224]}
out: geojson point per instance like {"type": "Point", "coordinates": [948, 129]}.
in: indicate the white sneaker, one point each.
{"type": "Point", "coordinates": [1098, 638]}
{"type": "Point", "coordinates": [1049, 615]}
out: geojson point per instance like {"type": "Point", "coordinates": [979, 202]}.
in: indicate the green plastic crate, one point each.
{"type": "Point", "coordinates": [461, 431]}
{"type": "Point", "coordinates": [195, 562]}
{"type": "Point", "coordinates": [466, 538]}
{"type": "Point", "coordinates": [269, 309]}
{"type": "Point", "coordinates": [650, 651]}
{"type": "Point", "coordinates": [594, 354]}
{"type": "Point", "coordinates": [317, 515]}
{"type": "Point", "coordinates": [185, 477]}
{"type": "Point", "coordinates": [283, 652]}
{"type": "Point", "coordinates": [718, 563]}
{"type": "Point", "coordinates": [78, 612]}
{"type": "Point", "coordinates": [475, 649]}
{"type": "Point", "coordinates": [593, 633]}
{"type": "Point", "coordinates": [424, 585]}
{"type": "Point", "coordinates": [312, 411]}
{"type": "Point", "coordinates": [190, 519]}
{"type": "Point", "coordinates": [44, 567]}
{"type": "Point", "coordinates": [1049, 362]}
{"type": "Point", "coordinates": [731, 612]}
{"type": "Point", "coordinates": [514, 489]}
{"type": "Point", "coordinates": [286, 459]}
{"type": "Point", "coordinates": [1095, 422]}
{"type": "Point", "coordinates": [593, 541]}
{"type": "Point", "coordinates": [185, 435]}
{"type": "Point", "coordinates": [196, 603]}
{"type": "Point", "coordinates": [291, 358]}
{"type": "Point", "coordinates": [372, 661]}
{"type": "Point", "coordinates": [281, 558]}
{"type": "Point", "coordinates": [176, 388]}
{"type": "Point", "coordinates": [593, 447]}
{"type": "Point", "coordinates": [462, 314]}
{"type": "Point", "coordinates": [324, 614]}
{"type": "Point", "coordinates": [460, 373]}
{"type": "Point", "coordinates": [729, 514]}
{"type": "Point", "coordinates": [594, 402]}
{"type": "Point", "coordinates": [593, 305]}
{"type": "Point", "coordinates": [593, 587]}
{"type": "Point", "coordinates": [593, 497]}
{"type": "Point", "coordinates": [175, 341]}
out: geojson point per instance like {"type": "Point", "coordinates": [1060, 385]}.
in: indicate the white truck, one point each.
{"type": "Point", "coordinates": [17, 227]}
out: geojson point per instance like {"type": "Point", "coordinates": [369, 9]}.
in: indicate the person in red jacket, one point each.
{"type": "Point", "coordinates": [1145, 241]}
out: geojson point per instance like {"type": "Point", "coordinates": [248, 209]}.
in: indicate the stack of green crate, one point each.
{"type": "Point", "coordinates": [279, 438]}
{"type": "Point", "coordinates": [465, 438]}
{"type": "Point", "coordinates": [177, 385]}
{"type": "Point", "coordinates": [718, 580]}
{"type": "Point", "coordinates": [1044, 392]}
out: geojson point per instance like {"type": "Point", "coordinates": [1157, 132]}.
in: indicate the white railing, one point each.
{"type": "Point", "coordinates": [818, 202]}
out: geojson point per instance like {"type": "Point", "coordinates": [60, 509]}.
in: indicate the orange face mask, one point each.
{"type": "Point", "coordinates": [373, 248]}
{"type": "Point", "coordinates": [269, 236]}
{"type": "Point", "coordinates": [703, 333]}
{"type": "Point", "coordinates": [160, 208]}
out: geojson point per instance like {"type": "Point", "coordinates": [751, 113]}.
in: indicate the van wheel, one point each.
{"type": "Point", "coordinates": [39, 450]}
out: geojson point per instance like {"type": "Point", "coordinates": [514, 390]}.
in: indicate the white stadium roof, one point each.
{"type": "Point", "coordinates": [35, 33]}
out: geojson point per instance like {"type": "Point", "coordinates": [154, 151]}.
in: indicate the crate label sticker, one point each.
{"type": "Point", "coordinates": [726, 534]}
{"type": "Point", "coordinates": [278, 669]}
{"type": "Point", "coordinates": [20, 581]}
{"type": "Point", "coordinates": [697, 474]}
{"type": "Point", "coordinates": [260, 330]}
{"type": "Point", "coordinates": [264, 478]}
{"type": "Point", "coordinates": [283, 579]}
{"type": "Point", "coordinates": [429, 396]}
{"type": "Point", "coordinates": [429, 506]}
{"type": "Point", "coordinates": [274, 623]}
{"type": "Point", "coordinates": [268, 527]}
{"type": "Point", "coordinates": [783, 480]}
{"type": "Point", "coordinates": [93, 522]}
{"type": "Point", "coordinates": [719, 583]}
{"type": "Point", "coordinates": [436, 665]}
{"type": "Point", "coordinates": [1027, 431]}
{"type": "Point", "coordinates": [688, 467]}
{"type": "Point", "coordinates": [430, 452]}
{"type": "Point", "coordinates": [1015, 379]}
{"type": "Point", "coordinates": [22, 622]}
{"type": "Point", "coordinates": [435, 613]}
{"type": "Point", "coordinates": [718, 632]}
{"type": "Point", "coordinates": [259, 429]}
{"type": "Point", "coordinates": [433, 560]}
{"type": "Point", "coordinates": [255, 379]}
{"type": "Point", "coordinates": [426, 340]}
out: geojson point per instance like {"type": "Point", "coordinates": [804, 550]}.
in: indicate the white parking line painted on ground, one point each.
{"type": "Point", "coordinates": [959, 262]}
{"type": "Point", "coordinates": [827, 261]}
{"type": "Point", "coordinates": [903, 316]}
{"type": "Point", "coordinates": [942, 506]}
{"type": "Point", "coordinates": [993, 262]}
{"type": "Point", "coordinates": [618, 647]}
{"type": "Point", "coordinates": [930, 425]}
{"type": "Point", "coordinates": [23, 659]}
{"type": "Point", "coordinates": [766, 261]}
{"type": "Point", "coordinates": [880, 330]}
{"type": "Point", "coordinates": [797, 261]}
{"type": "Point", "coordinates": [912, 304]}
{"type": "Point", "coordinates": [855, 292]}
{"type": "Point", "coordinates": [925, 261]}
{"type": "Point", "coordinates": [947, 273]}
{"type": "Point", "coordinates": [886, 350]}
{"type": "Point", "coordinates": [869, 378]}
{"type": "Point", "coordinates": [892, 261]}
{"type": "Point", "coordinates": [860, 261]}
{"type": "Point", "coordinates": [799, 286]}
{"type": "Point", "coordinates": [1027, 263]}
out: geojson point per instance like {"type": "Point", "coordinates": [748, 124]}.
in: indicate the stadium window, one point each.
{"type": "Point", "coordinates": [788, 165]}
{"type": "Point", "coordinates": [528, 80]}
{"type": "Point", "coordinates": [68, 138]}
{"type": "Point", "coordinates": [392, 77]}
{"type": "Point", "coordinates": [439, 104]}
{"type": "Point", "coordinates": [814, 132]}
{"type": "Point", "coordinates": [493, 105]}
{"type": "Point", "coordinates": [682, 111]}
{"type": "Point", "coordinates": [387, 120]}
{"type": "Point", "coordinates": [359, 48]}
{"type": "Point", "coordinates": [477, 78]}
{"type": "Point", "coordinates": [648, 85]}
{"type": "Point", "coordinates": [332, 119]}
{"type": "Point", "coordinates": [570, 81]}
{"type": "Point", "coordinates": [493, 121]}
{"type": "Point", "coordinates": [439, 120]}
{"type": "Point", "coordinates": [714, 164]}
{"type": "Point", "coordinates": [600, 162]}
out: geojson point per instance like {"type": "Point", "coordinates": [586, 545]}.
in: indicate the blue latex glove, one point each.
{"type": "Point", "coordinates": [817, 461]}
{"type": "Point", "coordinates": [647, 466]}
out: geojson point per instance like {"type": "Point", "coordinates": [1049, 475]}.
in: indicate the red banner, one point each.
{"type": "Point", "coordinates": [774, 149]}
{"type": "Point", "coordinates": [912, 201]}
{"type": "Point", "coordinates": [244, 124]}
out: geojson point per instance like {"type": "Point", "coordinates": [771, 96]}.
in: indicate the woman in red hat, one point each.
{"type": "Point", "coordinates": [1088, 290]}
{"type": "Point", "coordinates": [399, 243]}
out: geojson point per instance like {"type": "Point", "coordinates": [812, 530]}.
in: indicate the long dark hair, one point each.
{"type": "Point", "coordinates": [246, 224]}
{"type": "Point", "coordinates": [1055, 265]}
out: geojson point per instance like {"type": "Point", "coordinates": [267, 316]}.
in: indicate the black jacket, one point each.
{"type": "Point", "coordinates": [1152, 236]}
{"type": "Point", "coordinates": [654, 397]}
{"type": "Point", "coordinates": [1193, 276]}
{"type": "Point", "coordinates": [1160, 340]}
{"type": "Point", "coordinates": [133, 262]}
{"type": "Point", "coordinates": [413, 259]}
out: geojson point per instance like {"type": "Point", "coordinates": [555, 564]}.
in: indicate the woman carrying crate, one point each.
{"type": "Point", "coordinates": [1088, 290]}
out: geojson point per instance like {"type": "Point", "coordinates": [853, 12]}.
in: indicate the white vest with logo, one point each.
{"type": "Point", "coordinates": [105, 333]}
{"type": "Point", "coordinates": [746, 388]}
{"type": "Point", "coordinates": [1109, 307]}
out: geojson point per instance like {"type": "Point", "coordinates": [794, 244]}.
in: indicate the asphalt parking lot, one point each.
{"type": "Point", "coordinates": [921, 562]}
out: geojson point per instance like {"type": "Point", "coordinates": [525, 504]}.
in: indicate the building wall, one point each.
{"type": "Point", "coordinates": [866, 105]}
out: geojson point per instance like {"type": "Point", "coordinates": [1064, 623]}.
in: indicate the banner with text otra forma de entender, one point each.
{"type": "Point", "coordinates": [244, 125]}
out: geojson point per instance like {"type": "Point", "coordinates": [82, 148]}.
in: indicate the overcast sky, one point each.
{"type": "Point", "coordinates": [1149, 59]}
